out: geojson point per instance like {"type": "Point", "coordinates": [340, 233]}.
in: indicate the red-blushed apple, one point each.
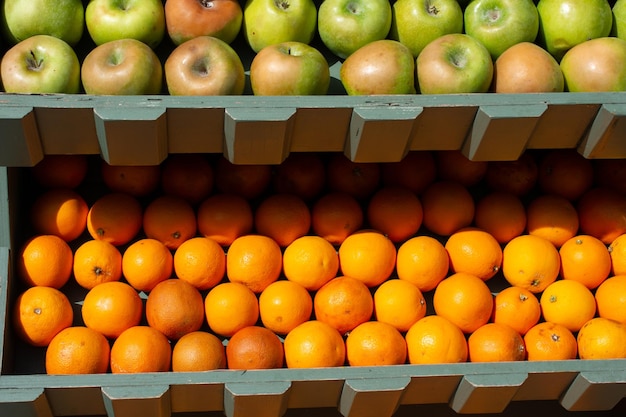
{"type": "Point", "coordinates": [289, 68]}
{"type": "Point", "coordinates": [527, 68]}
{"type": "Point", "coordinates": [596, 65]}
{"type": "Point", "coordinates": [380, 67]}
{"type": "Point", "coordinates": [122, 67]}
{"type": "Point", "coordinates": [187, 19]}
{"type": "Point", "coordinates": [41, 64]}
{"type": "Point", "coordinates": [204, 66]}
{"type": "Point", "coordinates": [454, 63]}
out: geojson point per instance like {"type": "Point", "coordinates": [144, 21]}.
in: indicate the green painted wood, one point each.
{"type": "Point", "coordinates": [442, 127]}
{"type": "Point", "coordinates": [606, 137]}
{"type": "Point", "coordinates": [562, 126]}
{"type": "Point", "coordinates": [76, 401]}
{"type": "Point", "coordinates": [431, 389]}
{"type": "Point", "coordinates": [320, 129]}
{"type": "Point", "coordinates": [243, 399]}
{"type": "Point", "coordinates": [70, 128]}
{"type": "Point", "coordinates": [20, 143]}
{"type": "Point", "coordinates": [133, 401]}
{"type": "Point", "coordinates": [595, 390]}
{"type": "Point", "coordinates": [372, 397]}
{"type": "Point", "coordinates": [198, 130]}
{"type": "Point", "coordinates": [24, 403]}
{"type": "Point", "coordinates": [486, 393]}
{"type": "Point", "coordinates": [197, 397]}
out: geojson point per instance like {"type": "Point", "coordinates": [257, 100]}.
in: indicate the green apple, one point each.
{"type": "Point", "coordinates": [596, 65]}
{"type": "Point", "coordinates": [619, 19]}
{"type": "Point", "coordinates": [454, 63]}
{"type": "Point", "coordinates": [186, 19]}
{"type": "Point", "coordinates": [109, 20]}
{"type": "Point", "coordinates": [566, 23]}
{"type": "Point", "coordinates": [267, 22]}
{"type": "Point", "coordinates": [41, 64]}
{"type": "Point", "coordinates": [385, 66]}
{"type": "Point", "coordinates": [64, 19]}
{"type": "Point", "coordinates": [500, 24]}
{"type": "Point", "coordinates": [416, 23]}
{"type": "Point", "coordinates": [346, 25]}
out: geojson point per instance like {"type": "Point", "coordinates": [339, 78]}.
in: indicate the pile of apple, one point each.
{"type": "Point", "coordinates": [116, 47]}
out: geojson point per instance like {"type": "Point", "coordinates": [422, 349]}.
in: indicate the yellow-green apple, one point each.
{"type": "Point", "coordinates": [205, 66]}
{"type": "Point", "coordinates": [187, 19]}
{"type": "Point", "coordinates": [619, 19]}
{"type": "Point", "coordinates": [289, 68]}
{"type": "Point", "coordinates": [566, 23]}
{"type": "Point", "coordinates": [454, 63]}
{"type": "Point", "coordinates": [267, 22]}
{"type": "Point", "coordinates": [416, 23]}
{"type": "Point", "coordinates": [527, 68]}
{"type": "Point", "coordinates": [346, 25]}
{"type": "Point", "coordinates": [64, 19]}
{"type": "Point", "coordinates": [500, 24]}
{"type": "Point", "coordinates": [596, 65]}
{"type": "Point", "coordinates": [122, 67]}
{"type": "Point", "coordinates": [40, 64]}
{"type": "Point", "coordinates": [109, 20]}
{"type": "Point", "coordinates": [385, 66]}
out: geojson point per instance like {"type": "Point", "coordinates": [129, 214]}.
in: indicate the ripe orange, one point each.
{"type": "Point", "coordinates": [60, 171]}
{"type": "Point", "coordinates": [255, 261]}
{"type": "Point", "coordinates": [302, 174]}
{"type": "Point", "coordinates": [415, 171]}
{"type": "Point", "coordinates": [314, 344]}
{"type": "Point", "coordinates": [501, 214]}
{"type": "Point", "coordinates": [399, 303]}
{"type": "Point", "coordinates": [343, 303]}
{"type": "Point", "coordinates": [565, 172]}
{"type": "Point", "coordinates": [552, 217]}
{"type": "Point", "coordinates": [335, 216]}
{"type": "Point", "coordinates": [547, 341]}
{"type": "Point", "coordinates": [224, 217]}
{"type": "Point", "coordinates": [188, 176]}
{"type": "Point", "coordinates": [453, 165]}
{"type": "Point", "coordinates": [198, 351]}
{"type": "Point", "coordinates": [465, 300]}
{"type": "Point", "coordinates": [435, 340]}
{"type": "Point", "coordinates": [39, 313]}
{"type": "Point", "coordinates": [283, 217]}
{"type": "Point", "coordinates": [611, 298]}
{"type": "Point", "coordinates": [569, 303]}
{"type": "Point", "coordinates": [359, 179]}
{"type": "Point", "coordinates": [495, 342]}
{"type": "Point", "coordinates": [200, 261]}
{"type": "Point", "coordinates": [375, 343]}
{"type": "Point", "coordinates": [78, 350]}
{"type": "Point", "coordinates": [254, 347]}
{"type": "Point", "coordinates": [229, 307]}
{"type": "Point", "coordinates": [396, 212]}
{"type": "Point", "coordinates": [116, 218]}
{"type": "Point", "coordinates": [310, 261]}
{"type": "Point", "coordinates": [284, 305]}
{"type": "Point", "coordinates": [517, 177]}
{"type": "Point", "coordinates": [249, 181]}
{"type": "Point", "coordinates": [585, 259]}
{"type": "Point", "coordinates": [141, 349]}
{"type": "Point", "coordinates": [448, 206]}
{"type": "Point", "coordinates": [136, 180]}
{"type": "Point", "coordinates": [475, 252]}
{"type": "Point", "coordinates": [617, 251]}
{"type": "Point", "coordinates": [517, 307]}
{"type": "Point", "coordinates": [146, 262]}
{"type": "Point", "coordinates": [112, 307]}
{"type": "Point", "coordinates": [423, 261]}
{"type": "Point", "coordinates": [368, 256]}
{"type": "Point", "coordinates": [602, 338]}
{"type": "Point", "coordinates": [45, 260]}
{"type": "Point", "coordinates": [61, 212]}
{"type": "Point", "coordinates": [170, 219]}
{"type": "Point", "coordinates": [530, 262]}
{"type": "Point", "coordinates": [600, 211]}
{"type": "Point", "coordinates": [95, 262]}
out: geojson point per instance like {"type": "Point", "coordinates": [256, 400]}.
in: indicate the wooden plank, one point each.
{"type": "Point", "coordinates": [485, 393]}
{"type": "Point", "coordinates": [606, 134]}
{"type": "Point", "coordinates": [195, 130]}
{"type": "Point", "coordinates": [67, 130]}
{"type": "Point", "coordinates": [595, 390]}
{"type": "Point", "coordinates": [24, 402]}
{"type": "Point", "coordinates": [259, 399]}
{"type": "Point", "coordinates": [132, 401]}
{"type": "Point", "coordinates": [19, 137]}
{"type": "Point", "coordinates": [372, 397]}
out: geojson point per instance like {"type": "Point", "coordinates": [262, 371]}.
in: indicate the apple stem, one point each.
{"type": "Point", "coordinates": [282, 4]}
{"type": "Point", "coordinates": [33, 62]}
{"type": "Point", "coordinates": [432, 9]}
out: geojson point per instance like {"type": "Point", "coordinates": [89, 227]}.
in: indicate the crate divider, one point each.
{"type": "Point", "coordinates": [594, 390]}
{"type": "Point", "coordinates": [64, 128]}
{"type": "Point", "coordinates": [562, 125]}
{"type": "Point", "coordinates": [544, 386]}
{"type": "Point", "coordinates": [486, 393]}
{"type": "Point", "coordinates": [21, 142]}
{"type": "Point", "coordinates": [131, 401]}
{"type": "Point", "coordinates": [606, 134]}
{"type": "Point", "coordinates": [372, 397]}
{"type": "Point", "coordinates": [262, 399]}
{"type": "Point", "coordinates": [195, 130]}
{"type": "Point", "coordinates": [320, 129]}
{"type": "Point", "coordinates": [197, 397]}
{"type": "Point", "coordinates": [25, 402]}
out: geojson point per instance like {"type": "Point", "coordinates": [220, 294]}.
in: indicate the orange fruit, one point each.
{"type": "Point", "coordinates": [565, 172]}
{"type": "Point", "coordinates": [448, 206]}
{"type": "Point", "coordinates": [198, 351]}
{"type": "Point", "coordinates": [60, 171]}
{"type": "Point", "coordinates": [39, 313]}
{"type": "Point", "coordinates": [552, 217]}
{"type": "Point", "coordinates": [435, 340]}
{"type": "Point", "coordinates": [78, 350]}
{"type": "Point", "coordinates": [141, 349]}
{"type": "Point", "coordinates": [359, 179]}
{"type": "Point", "coordinates": [453, 165]}
{"type": "Point", "coordinates": [254, 347]}
{"type": "Point", "coordinates": [284, 305]}
{"type": "Point", "coordinates": [343, 303]}
{"type": "Point", "coordinates": [501, 214]}
{"type": "Point", "coordinates": [224, 217]}
{"type": "Point", "coordinates": [475, 252]}
{"type": "Point", "coordinates": [314, 344]}
{"type": "Point", "coordinates": [170, 219]}
{"type": "Point", "coordinates": [415, 171]}
{"type": "Point", "coordinates": [600, 211]}
{"type": "Point", "coordinates": [283, 217]}
{"type": "Point", "coordinates": [602, 338]}
{"type": "Point", "coordinates": [255, 261]}
{"type": "Point", "coordinates": [610, 173]}
{"type": "Point", "coordinates": [229, 307]}
{"type": "Point", "coordinates": [249, 181]}
{"type": "Point", "coordinates": [95, 262]}
{"type": "Point", "coordinates": [116, 218]}
{"type": "Point", "coordinates": [517, 177]}
{"type": "Point", "coordinates": [61, 212]}
{"type": "Point", "coordinates": [530, 262]}
{"type": "Point", "coordinates": [200, 261]}
{"type": "Point", "coordinates": [465, 300]}
{"type": "Point", "coordinates": [310, 261]}
{"type": "Point", "coordinates": [396, 212]}
{"type": "Point", "coordinates": [617, 251]}
{"type": "Point", "coordinates": [112, 307]}
{"type": "Point", "coordinates": [146, 262]}
{"type": "Point", "coordinates": [611, 298]}
{"type": "Point", "coordinates": [368, 256]}
{"type": "Point", "coordinates": [335, 216]}
{"type": "Point", "coordinates": [517, 307]}
{"type": "Point", "coordinates": [302, 174]}
{"type": "Point", "coordinates": [136, 180]}
{"type": "Point", "coordinates": [375, 343]}
{"type": "Point", "coordinates": [45, 260]}
{"type": "Point", "coordinates": [568, 303]}
{"type": "Point", "coordinates": [188, 176]}
{"type": "Point", "coordinates": [399, 303]}
{"type": "Point", "coordinates": [585, 259]}
{"type": "Point", "coordinates": [548, 341]}
{"type": "Point", "coordinates": [495, 342]}
{"type": "Point", "coordinates": [423, 261]}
